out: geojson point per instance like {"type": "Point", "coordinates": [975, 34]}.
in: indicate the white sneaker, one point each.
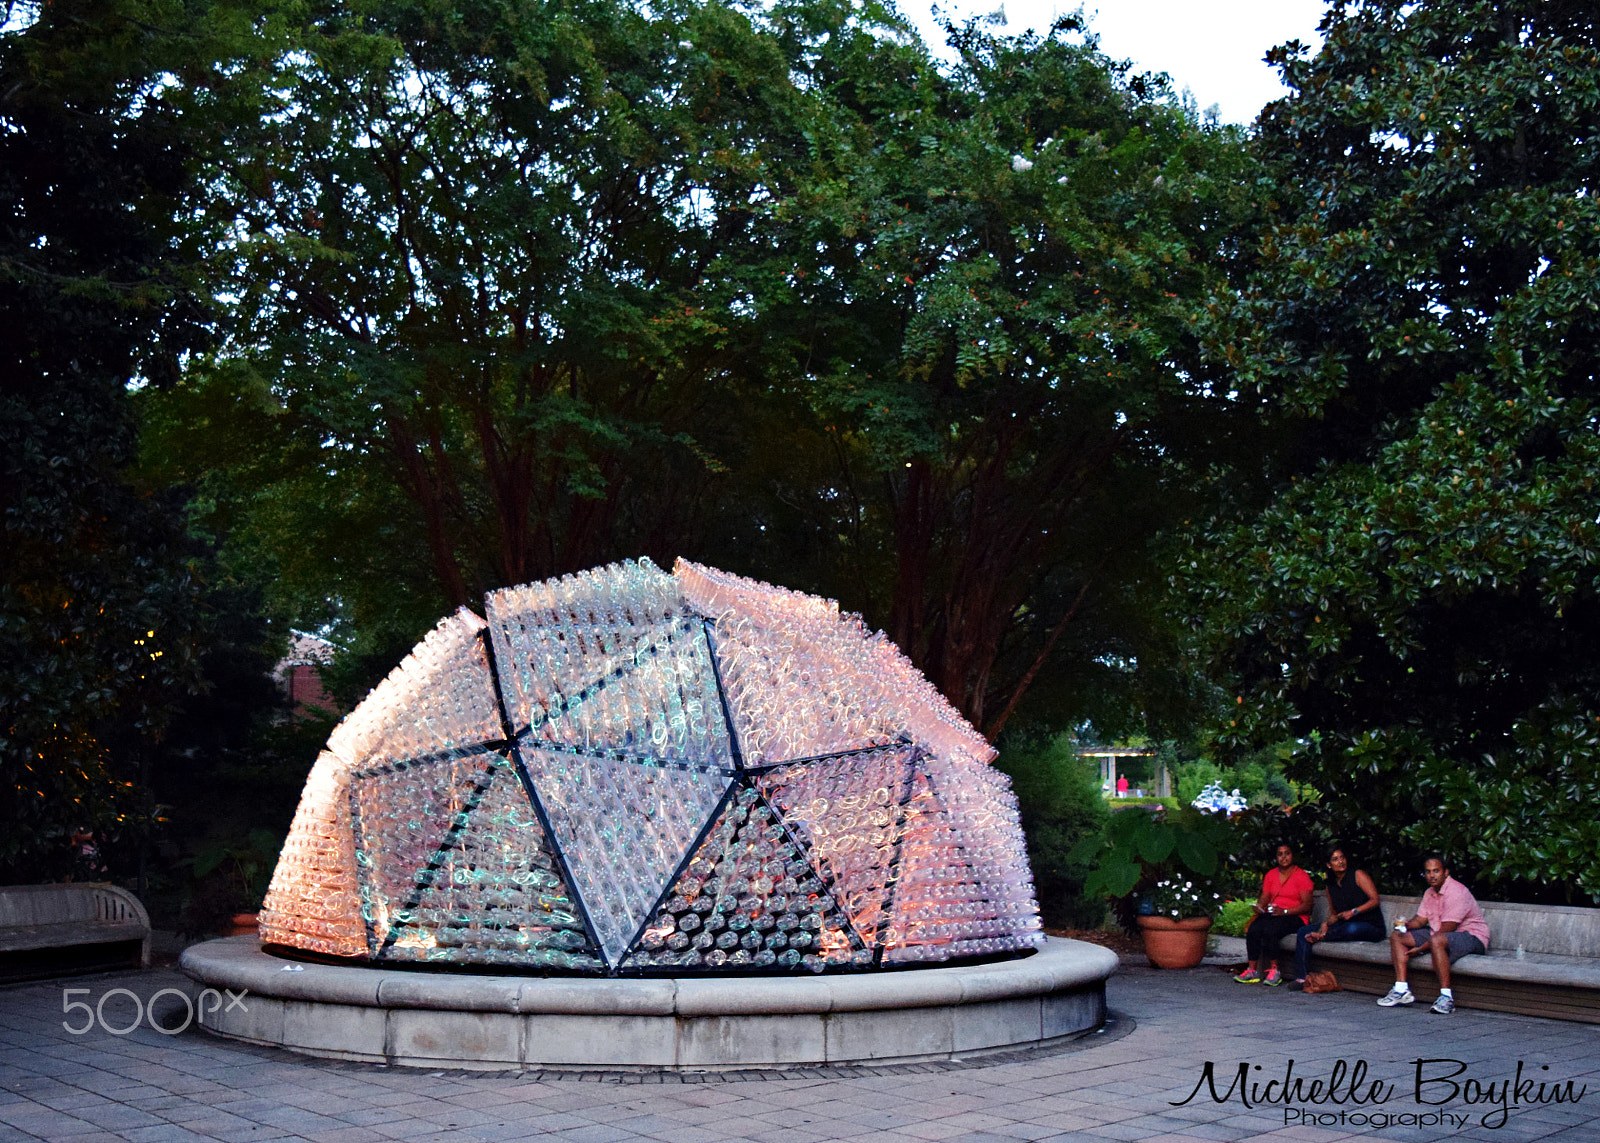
{"type": "Point", "coordinates": [1443, 1006]}
{"type": "Point", "coordinates": [1397, 996]}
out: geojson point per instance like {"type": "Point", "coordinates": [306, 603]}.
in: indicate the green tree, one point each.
{"type": "Point", "coordinates": [1058, 794]}
{"type": "Point", "coordinates": [99, 609]}
{"type": "Point", "coordinates": [1415, 597]}
{"type": "Point", "coordinates": [529, 287]}
{"type": "Point", "coordinates": [992, 319]}
{"type": "Point", "coordinates": [486, 273]}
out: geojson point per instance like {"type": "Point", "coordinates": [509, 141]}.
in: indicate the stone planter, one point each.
{"type": "Point", "coordinates": [1173, 943]}
{"type": "Point", "coordinates": [463, 1020]}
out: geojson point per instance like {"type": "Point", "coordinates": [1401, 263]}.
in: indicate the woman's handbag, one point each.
{"type": "Point", "coordinates": [1322, 982]}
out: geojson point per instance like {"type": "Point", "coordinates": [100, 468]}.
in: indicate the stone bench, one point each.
{"type": "Point", "coordinates": [1543, 960]}
{"type": "Point", "coordinates": [54, 930]}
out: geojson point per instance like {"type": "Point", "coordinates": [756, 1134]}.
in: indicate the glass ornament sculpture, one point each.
{"type": "Point", "coordinates": [630, 772]}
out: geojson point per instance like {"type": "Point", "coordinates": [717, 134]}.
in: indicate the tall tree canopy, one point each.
{"type": "Point", "coordinates": [98, 604]}
{"type": "Point", "coordinates": [483, 265]}
{"type": "Point", "coordinates": [992, 304]}
{"type": "Point", "coordinates": [527, 287]}
{"type": "Point", "coordinates": [1417, 597]}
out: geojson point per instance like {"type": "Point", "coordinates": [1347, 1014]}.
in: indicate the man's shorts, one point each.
{"type": "Point", "coordinates": [1457, 943]}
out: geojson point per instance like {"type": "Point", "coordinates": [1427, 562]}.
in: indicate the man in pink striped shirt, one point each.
{"type": "Point", "coordinates": [1449, 924]}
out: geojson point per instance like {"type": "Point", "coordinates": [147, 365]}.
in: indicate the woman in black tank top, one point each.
{"type": "Point", "coordinates": [1353, 912]}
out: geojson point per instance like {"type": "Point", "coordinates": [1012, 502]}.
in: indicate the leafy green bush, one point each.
{"type": "Point", "coordinates": [1168, 803]}
{"type": "Point", "coordinates": [1189, 778]}
{"type": "Point", "coordinates": [1058, 794]}
{"type": "Point", "coordinates": [1233, 918]}
{"type": "Point", "coordinates": [1258, 776]}
{"type": "Point", "coordinates": [1139, 847]}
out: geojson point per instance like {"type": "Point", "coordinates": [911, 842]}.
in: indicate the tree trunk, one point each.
{"type": "Point", "coordinates": [420, 483]}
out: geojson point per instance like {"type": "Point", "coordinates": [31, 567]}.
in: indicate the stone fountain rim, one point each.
{"type": "Point", "coordinates": [240, 963]}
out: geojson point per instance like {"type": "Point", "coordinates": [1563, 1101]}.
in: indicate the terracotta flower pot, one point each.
{"type": "Point", "coordinates": [1172, 943]}
{"type": "Point", "coordinates": [242, 923]}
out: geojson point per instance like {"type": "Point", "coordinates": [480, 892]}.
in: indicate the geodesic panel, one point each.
{"type": "Point", "coordinates": [401, 814]}
{"type": "Point", "coordinates": [849, 813]}
{"type": "Point", "coordinates": [496, 894]}
{"type": "Point", "coordinates": [438, 701]}
{"type": "Point", "coordinates": [961, 893]}
{"type": "Point", "coordinates": [805, 680]}
{"type": "Point", "coordinates": [748, 900]}
{"type": "Point", "coordinates": [456, 867]}
{"type": "Point", "coordinates": [625, 825]}
{"type": "Point", "coordinates": [629, 771]}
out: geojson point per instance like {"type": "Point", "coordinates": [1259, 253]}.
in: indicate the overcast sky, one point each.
{"type": "Point", "coordinates": [1212, 47]}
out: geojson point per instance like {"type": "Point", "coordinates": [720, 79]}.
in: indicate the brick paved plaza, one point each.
{"type": "Point", "coordinates": [145, 1087]}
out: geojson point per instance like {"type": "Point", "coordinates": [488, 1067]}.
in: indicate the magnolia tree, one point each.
{"type": "Point", "coordinates": [1412, 590]}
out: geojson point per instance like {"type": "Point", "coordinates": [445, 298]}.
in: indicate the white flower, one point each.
{"type": "Point", "coordinates": [1020, 163]}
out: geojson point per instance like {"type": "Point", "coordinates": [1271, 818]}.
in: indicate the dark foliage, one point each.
{"type": "Point", "coordinates": [1059, 798]}
{"type": "Point", "coordinates": [98, 597]}
{"type": "Point", "coordinates": [1417, 598]}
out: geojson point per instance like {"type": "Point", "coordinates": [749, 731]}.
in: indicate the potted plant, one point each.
{"type": "Point", "coordinates": [1175, 928]}
{"type": "Point", "coordinates": [1156, 867]}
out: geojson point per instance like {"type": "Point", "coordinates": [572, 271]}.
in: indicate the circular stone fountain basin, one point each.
{"type": "Point", "coordinates": [424, 1019]}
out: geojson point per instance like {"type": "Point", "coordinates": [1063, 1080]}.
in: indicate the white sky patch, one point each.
{"type": "Point", "coordinates": [1212, 47]}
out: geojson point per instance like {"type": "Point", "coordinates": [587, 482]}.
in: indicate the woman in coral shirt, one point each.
{"type": "Point", "coordinates": [1284, 905]}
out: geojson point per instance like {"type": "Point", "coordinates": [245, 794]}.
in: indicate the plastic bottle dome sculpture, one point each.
{"type": "Point", "coordinates": [625, 771]}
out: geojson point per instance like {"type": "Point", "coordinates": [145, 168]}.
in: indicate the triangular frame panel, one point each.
{"type": "Point", "coordinates": [848, 811]}
{"type": "Point", "coordinates": [746, 901]}
{"type": "Point", "coordinates": [622, 825]}
{"type": "Point", "coordinates": [493, 892]}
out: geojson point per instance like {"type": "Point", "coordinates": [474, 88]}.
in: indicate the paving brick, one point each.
{"type": "Point", "coordinates": [147, 1088]}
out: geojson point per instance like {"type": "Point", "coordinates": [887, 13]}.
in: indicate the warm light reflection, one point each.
{"type": "Point", "coordinates": [629, 771]}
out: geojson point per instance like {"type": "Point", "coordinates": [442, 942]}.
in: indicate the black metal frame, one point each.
{"type": "Point", "coordinates": [742, 777]}
{"type": "Point", "coordinates": [424, 876]}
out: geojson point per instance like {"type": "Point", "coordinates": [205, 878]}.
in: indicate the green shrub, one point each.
{"type": "Point", "coordinates": [1190, 778]}
{"type": "Point", "coordinates": [1233, 918]}
{"type": "Point", "coordinates": [1058, 794]}
{"type": "Point", "coordinates": [1258, 777]}
{"type": "Point", "coordinates": [1123, 803]}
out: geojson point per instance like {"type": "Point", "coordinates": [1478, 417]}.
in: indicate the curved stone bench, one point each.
{"type": "Point", "coordinates": [425, 1019]}
{"type": "Point", "coordinates": [84, 926]}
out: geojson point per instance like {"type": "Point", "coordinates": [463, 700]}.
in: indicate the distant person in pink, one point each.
{"type": "Point", "coordinates": [1449, 925]}
{"type": "Point", "coordinates": [1122, 785]}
